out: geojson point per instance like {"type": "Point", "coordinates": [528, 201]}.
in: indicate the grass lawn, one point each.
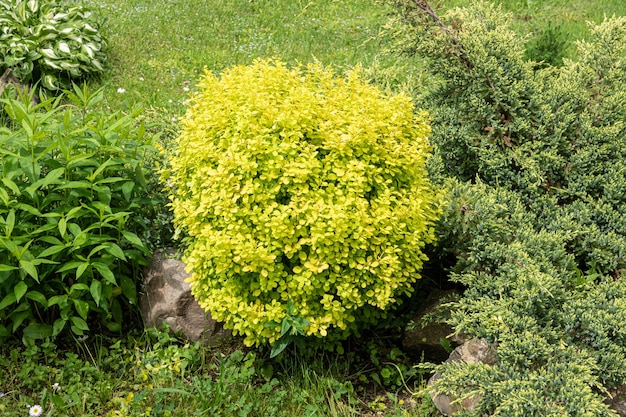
{"type": "Point", "coordinates": [157, 50]}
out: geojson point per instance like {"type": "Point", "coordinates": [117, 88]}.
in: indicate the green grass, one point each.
{"type": "Point", "coordinates": [154, 374]}
{"type": "Point", "coordinates": [569, 17]}
{"type": "Point", "coordinates": [158, 49]}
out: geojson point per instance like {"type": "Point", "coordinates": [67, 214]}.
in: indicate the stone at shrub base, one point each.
{"type": "Point", "coordinates": [472, 351]}
{"type": "Point", "coordinates": [615, 400]}
{"type": "Point", "coordinates": [426, 340]}
{"type": "Point", "coordinates": [166, 298]}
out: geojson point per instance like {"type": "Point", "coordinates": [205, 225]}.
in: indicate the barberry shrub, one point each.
{"type": "Point", "coordinates": [536, 216]}
{"type": "Point", "coordinates": [300, 188]}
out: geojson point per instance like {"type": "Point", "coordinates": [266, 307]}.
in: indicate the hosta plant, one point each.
{"type": "Point", "coordinates": [71, 197]}
{"type": "Point", "coordinates": [303, 194]}
{"type": "Point", "coordinates": [46, 41]}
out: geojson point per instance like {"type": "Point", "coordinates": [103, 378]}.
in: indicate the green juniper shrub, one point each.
{"type": "Point", "coordinates": [72, 191]}
{"type": "Point", "coordinates": [300, 188]}
{"type": "Point", "coordinates": [45, 41]}
{"type": "Point", "coordinates": [536, 214]}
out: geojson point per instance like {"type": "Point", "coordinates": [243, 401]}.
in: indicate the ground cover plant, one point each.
{"type": "Point", "coordinates": [154, 374]}
{"type": "Point", "coordinates": [536, 220]}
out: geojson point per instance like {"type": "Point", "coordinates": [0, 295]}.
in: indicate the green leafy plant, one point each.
{"type": "Point", "coordinates": [42, 40]}
{"type": "Point", "coordinates": [299, 185]}
{"type": "Point", "coordinates": [291, 331]}
{"type": "Point", "coordinates": [71, 193]}
{"type": "Point", "coordinates": [537, 197]}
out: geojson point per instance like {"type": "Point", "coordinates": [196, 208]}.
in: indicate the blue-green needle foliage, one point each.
{"type": "Point", "coordinates": [537, 215]}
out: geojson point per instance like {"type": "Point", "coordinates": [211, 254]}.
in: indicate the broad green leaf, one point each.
{"type": "Point", "coordinates": [11, 185]}
{"type": "Point", "coordinates": [127, 190]}
{"type": "Point", "coordinates": [128, 289]}
{"type": "Point", "coordinates": [19, 290]}
{"type": "Point", "coordinates": [51, 178]}
{"type": "Point", "coordinates": [115, 250]}
{"type": "Point", "coordinates": [29, 268]}
{"type": "Point", "coordinates": [8, 300]}
{"type": "Point", "coordinates": [52, 250]}
{"type": "Point", "coordinates": [79, 286]}
{"type": "Point", "coordinates": [80, 161]}
{"type": "Point", "coordinates": [81, 239]}
{"type": "Point", "coordinates": [81, 269]}
{"type": "Point", "coordinates": [6, 268]}
{"type": "Point", "coordinates": [96, 291]}
{"type": "Point", "coordinates": [104, 195]}
{"type": "Point", "coordinates": [133, 239]}
{"type": "Point", "coordinates": [58, 326]}
{"type": "Point", "coordinates": [74, 185]}
{"type": "Point", "coordinates": [279, 346]}
{"type": "Point", "coordinates": [116, 311]}
{"type": "Point", "coordinates": [69, 266]}
{"type": "Point", "coordinates": [74, 229]}
{"type": "Point", "coordinates": [51, 240]}
{"type": "Point", "coordinates": [18, 318]}
{"type": "Point", "coordinates": [105, 271]}
{"type": "Point", "coordinates": [37, 297]}
{"type": "Point", "coordinates": [109, 180]}
{"type": "Point", "coordinates": [82, 308]}
{"type": "Point", "coordinates": [92, 177]}
{"type": "Point", "coordinates": [46, 229]}
{"type": "Point", "coordinates": [57, 300]}
{"type": "Point", "coordinates": [140, 177]}
{"type": "Point", "coordinates": [63, 227]}
{"type": "Point", "coordinates": [38, 331]}
{"type": "Point", "coordinates": [9, 223]}
{"type": "Point", "coordinates": [79, 323]}
{"type": "Point", "coordinates": [4, 196]}
{"type": "Point", "coordinates": [10, 246]}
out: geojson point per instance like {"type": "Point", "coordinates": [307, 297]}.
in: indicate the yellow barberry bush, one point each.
{"type": "Point", "coordinates": [296, 185]}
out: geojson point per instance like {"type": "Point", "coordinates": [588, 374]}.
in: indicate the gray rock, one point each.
{"type": "Point", "coordinates": [426, 339]}
{"type": "Point", "coordinates": [472, 351]}
{"type": "Point", "coordinates": [166, 298]}
{"type": "Point", "coordinates": [616, 402]}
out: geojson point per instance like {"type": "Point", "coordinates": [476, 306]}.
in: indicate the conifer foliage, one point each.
{"type": "Point", "coordinates": [537, 216]}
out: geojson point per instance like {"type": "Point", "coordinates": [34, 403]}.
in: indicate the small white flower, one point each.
{"type": "Point", "coordinates": [170, 101]}
{"type": "Point", "coordinates": [140, 78]}
{"type": "Point", "coordinates": [55, 386]}
{"type": "Point", "coordinates": [35, 410]}
{"type": "Point", "coordinates": [185, 89]}
{"type": "Point", "coordinates": [121, 90]}
{"type": "Point", "coordinates": [173, 119]}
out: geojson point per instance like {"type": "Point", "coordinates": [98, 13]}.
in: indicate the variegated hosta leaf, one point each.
{"type": "Point", "coordinates": [63, 42]}
{"type": "Point", "coordinates": [49, 82]}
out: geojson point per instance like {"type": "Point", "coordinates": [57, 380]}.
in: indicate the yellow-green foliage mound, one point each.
{"type": "Point", "coordinates": [297, 185]}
